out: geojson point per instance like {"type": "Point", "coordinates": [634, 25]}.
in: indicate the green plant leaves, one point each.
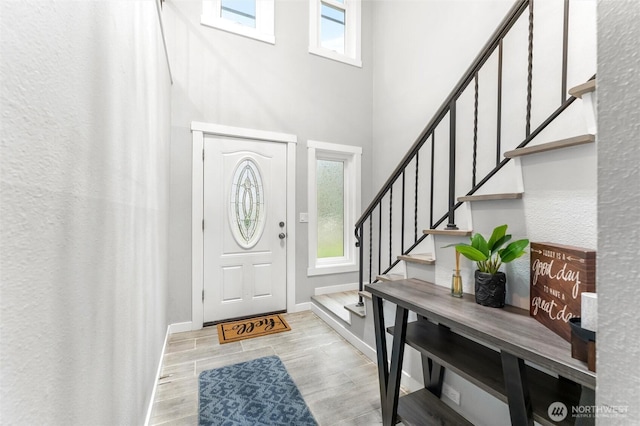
{"type": "Point", "coordinates": [513, 250]}
{"type": "Point", "coordinates": [497, 234]}
{"type": "Point", "coordinates": [479, 243]}
{"type": "Point", "coordinates": [471, 253]}
{"type": "Point", "coordinates": [488, 255]}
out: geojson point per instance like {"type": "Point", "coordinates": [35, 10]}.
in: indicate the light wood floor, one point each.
{"type": "Point", "coordinates": [339, 384]}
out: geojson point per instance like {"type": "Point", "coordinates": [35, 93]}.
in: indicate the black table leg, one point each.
{"type": "Point", "coordinates": [381, 348]}
{"type": "Point", "coordinates": [515, 381]}
{"type": "Point", "coordinates": [390, 407]}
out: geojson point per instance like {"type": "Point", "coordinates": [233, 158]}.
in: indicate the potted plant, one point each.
{"type": "Point", "coordinates": [490, 282]}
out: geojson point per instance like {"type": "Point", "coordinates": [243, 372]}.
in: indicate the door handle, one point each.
{"type": "Point", "coordinates": [282, 236]}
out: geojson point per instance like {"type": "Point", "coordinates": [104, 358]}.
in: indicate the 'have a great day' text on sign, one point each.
{"type": "Point", "coordinates": [559, 275]}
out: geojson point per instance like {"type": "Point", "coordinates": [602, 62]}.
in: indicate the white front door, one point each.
{"type": "Point", "coordinates": [245, 245]}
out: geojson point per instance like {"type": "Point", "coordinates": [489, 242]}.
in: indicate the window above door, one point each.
{"type": "Point", "coordinates": [248, 18]}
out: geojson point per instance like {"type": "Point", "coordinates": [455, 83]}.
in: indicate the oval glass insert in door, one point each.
{"type": "Point", "coordinates": [247, 204]}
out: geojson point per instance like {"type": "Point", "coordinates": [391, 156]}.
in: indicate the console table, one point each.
{"type": "Point", "coordinates": [486, 346]}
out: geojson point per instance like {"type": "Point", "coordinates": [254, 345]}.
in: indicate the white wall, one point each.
{"type": "Point", "coordinates": [618, 350]}
{"type": "Point", "coordinates": [84, 210]}
{"type": "Point", "coordinates": [421, 49]}
{"type": "Point", "coordinates": [227, 79]}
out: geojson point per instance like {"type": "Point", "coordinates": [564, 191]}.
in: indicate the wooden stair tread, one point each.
{"type": "Point", "coordinates": [356, 309]}
{"type": "Point", "coordinates": [454, 232]}
{"type": "Point", "coordinates": [559, 144]}
{"type": "Point", "coordinates": [422, 258]}
{"type": "Point", "coordinates": [365, 294]}
{"type": "Point", "coordinates": [489, 197]}
{"type": "Point", "coordinates": [389, 277]}
{"type": "Point", "coordinates": [335, 303]}
{"type": "Point", "coordinates": [584, 88]}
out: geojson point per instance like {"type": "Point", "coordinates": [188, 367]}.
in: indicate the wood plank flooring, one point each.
{"type": "Point", "coordinates": [339, 383]}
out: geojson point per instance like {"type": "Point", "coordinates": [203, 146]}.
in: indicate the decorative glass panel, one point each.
{"type": "Point", "coordinates": [330, 190]}
{"type": "Point", "coordinates": [240, 11]}
{"type": "Point", "coordinates": [247, 215]}
{"type": "Point", "coordinates": [332, 25]}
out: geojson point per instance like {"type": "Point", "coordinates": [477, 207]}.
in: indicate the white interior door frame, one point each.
{"type": "Point", "coordinates": [199, 130]}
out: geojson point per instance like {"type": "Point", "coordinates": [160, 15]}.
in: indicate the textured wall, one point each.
{"type": "Point", "coordinates": [83, 211]}
{"type": "Point", "coordinates": [618, 349]}
{"type": "Point", "coordinates": [227, 79]}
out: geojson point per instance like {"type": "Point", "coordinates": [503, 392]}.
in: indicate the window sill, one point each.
{"type": "Point", "coordinates": [231, 27]}
{"type": "Point", "coordinates": [332, 269]}
{"type": "Point", "coordinates": [335, 56]}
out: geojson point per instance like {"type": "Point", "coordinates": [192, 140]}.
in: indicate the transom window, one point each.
{"type": "Point", "coordinates": [334, 30]}
{"type": "Point", "coordinates": [249, 18]}
{"type": "Point", "coordinates": [334, 202]}
{"type": "Point", "coordinates": [241, 11]}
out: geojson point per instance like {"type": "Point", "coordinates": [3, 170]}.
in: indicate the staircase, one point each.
{"type": "Point", "coordinates": [453, 182]}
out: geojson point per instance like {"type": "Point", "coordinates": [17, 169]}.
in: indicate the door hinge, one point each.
{"type": "Point", "coordinates": [202, 154]}
{"type": "Point", "coordinates": [203, 224]}
{"type": "Point", "coordinates": [203, 296]}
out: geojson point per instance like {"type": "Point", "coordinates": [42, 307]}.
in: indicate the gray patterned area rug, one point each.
{"type": "Point", "coordinates": [257, 392]}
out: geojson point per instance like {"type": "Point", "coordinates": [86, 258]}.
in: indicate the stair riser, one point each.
{"type": "Point", "coordinates": [422, 272]}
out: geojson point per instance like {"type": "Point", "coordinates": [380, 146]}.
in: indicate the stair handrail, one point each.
{"type": "Point", "coordinates": [429, 132]}
{"type": "Point", "coordinates": [512, 16]}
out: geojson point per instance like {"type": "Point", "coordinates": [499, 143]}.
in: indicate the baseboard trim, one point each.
{"type": "Point", "coordinates": [299, 307]}
{"type": "Point", "coordinates": [157, 378]}
{"type": "Point", "coordinates": [179, 327]}
{"type": "Point", "coordinates": [335, 288]}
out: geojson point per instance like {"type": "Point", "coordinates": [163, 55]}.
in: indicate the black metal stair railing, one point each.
{"type": "Point", "coordinates": [411, 162]}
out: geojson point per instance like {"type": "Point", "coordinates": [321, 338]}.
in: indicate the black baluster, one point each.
{"type": "Point", "coordinates": [390, 222]}
{"type": "Point", "coordinates": [415, 211]}
{"type": "Point", "coordinates": [370, 246]}
{"type": "Point", "coordinates": [475, 132]}
{"type": "Point", "coordinates": [529, 69]}
{"type": "Point", "coordinates": [402, 220]}
{"type": "Point", "coordinates": [565, 50]}
{"type": "Point", "coordinates": [499, 113]}
{"type": "Point", "coordinates": [380, 238]}
{"type": "Point", "coordinates": [452, 166]}
{"type": "Point", "coordinates": [433, 165]}
{"type": "Point", "coordinates": [359, 232]}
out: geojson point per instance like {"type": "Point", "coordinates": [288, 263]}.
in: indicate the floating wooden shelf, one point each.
{"type": "Point", "coordinates": [581, 89]}
{"type": "Point", "coordinates": [490, 197]}
{"type": "Point", "coordinates": [423, 259]}
{"type": "Point", "coordinates": [559, 144]}
{"type": "Point", "coordinates": [454, 232]}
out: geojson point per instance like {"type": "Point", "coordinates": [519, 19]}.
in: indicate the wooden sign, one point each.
{"type": "Point", "coordinates": [559, 275]}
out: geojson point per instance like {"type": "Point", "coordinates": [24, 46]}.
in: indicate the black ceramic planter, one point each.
{"type": "Point", "coordinates": [491, 289]}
